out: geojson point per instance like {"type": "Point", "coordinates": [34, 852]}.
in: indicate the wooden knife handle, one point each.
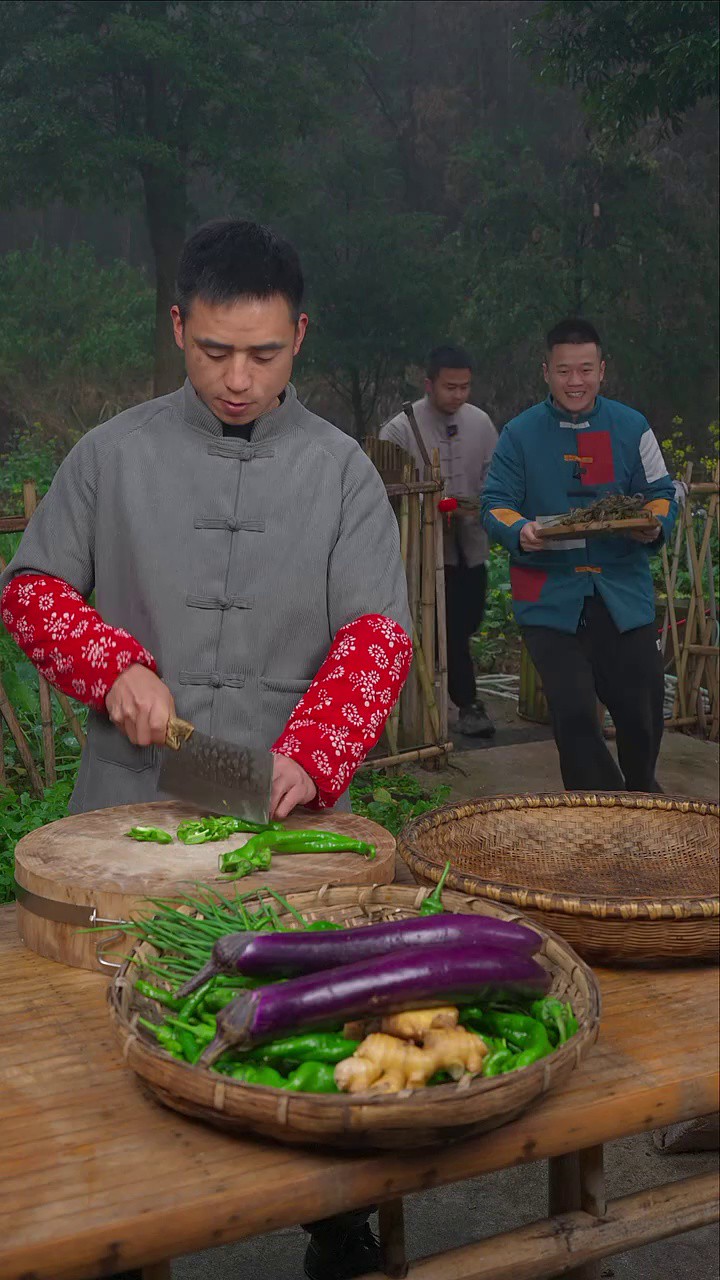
{"type": "Point", "coordinates": [177, 732]}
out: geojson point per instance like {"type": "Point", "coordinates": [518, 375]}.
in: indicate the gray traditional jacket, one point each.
{"type": "Point", "coordinates": [233, 562]}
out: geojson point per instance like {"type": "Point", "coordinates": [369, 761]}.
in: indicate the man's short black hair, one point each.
{"type": "Point", "coordinates": [446, 358]}
{"type": "Point", "coordinates": [230, 259]}
{"type": "Point", "coordinates": [574, 331]}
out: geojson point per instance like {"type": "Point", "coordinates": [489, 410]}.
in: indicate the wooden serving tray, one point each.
{"type": "Point", "coordinates": [84, 870]}
{"type": "Point", "coordinates": [550, 531]}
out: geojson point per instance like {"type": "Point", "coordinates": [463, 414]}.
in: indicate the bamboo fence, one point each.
{"type": "Point", "coordinates": [418, 728]}
{"type": "Point", "coordinates": [8, 717]}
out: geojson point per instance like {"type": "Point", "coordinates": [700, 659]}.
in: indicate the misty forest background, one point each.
{"type": "Point", "coordinates": [450, 170]}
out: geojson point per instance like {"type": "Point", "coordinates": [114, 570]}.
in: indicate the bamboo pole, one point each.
{"type": "Point", "coordinates": [407, 757]}
{"type": "Point", "coordinates": [392, 1239]}
{"type": "Point", "coordinates": [395, 719]}
{"type": "Point", "coordinates": [21, 741]}
{"type": "Point", "coordinates": [70, 716]}
{"type": "Point", "coordinates": [442, 671]}
{"type": "Point", "coordinates": [426, 685]}
{"type": "Point", "coordinates": [30, 501]}
{"type": "Point", "coordinates": [704, 626]}
{"type": "Point", "coordinates": [414, 717]}
{"type": "Point", "coordinates": [670, 614]}
{"type": "Point", "coordinates": [431, 725]}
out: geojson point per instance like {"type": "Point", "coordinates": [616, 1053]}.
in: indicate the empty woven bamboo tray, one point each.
{"type": "Point", "coordinates": [623, 877]}
{"type": "Point", "coordinates": [426, 1117]}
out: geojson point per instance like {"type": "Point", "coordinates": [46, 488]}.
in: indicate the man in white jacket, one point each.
{"type": "Point", "coordinates": [465, 439]}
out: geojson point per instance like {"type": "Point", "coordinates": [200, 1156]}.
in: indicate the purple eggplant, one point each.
{"type": "Point", "coordinates": [412, 979]}
{"type": "Point", "coordinates": [282, 955]}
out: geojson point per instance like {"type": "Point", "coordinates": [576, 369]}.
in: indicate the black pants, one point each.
{"type": "Point", "coordinates": [465, 591]}
{"type": "Point", "coordinates": [625, 671]}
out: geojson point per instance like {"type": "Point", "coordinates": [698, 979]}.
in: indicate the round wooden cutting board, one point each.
{"type": "Point", "coordinates": [84, 870]}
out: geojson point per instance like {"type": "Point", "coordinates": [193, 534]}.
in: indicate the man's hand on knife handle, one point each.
{"type": "Point", "coordinates": [140, 705]}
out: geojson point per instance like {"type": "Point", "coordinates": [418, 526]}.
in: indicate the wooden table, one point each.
{"type": "Point", "coordinates": [95, 1178]}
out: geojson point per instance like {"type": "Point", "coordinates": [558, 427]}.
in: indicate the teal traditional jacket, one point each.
{"type": "Point", "coordinates": [544, 465]}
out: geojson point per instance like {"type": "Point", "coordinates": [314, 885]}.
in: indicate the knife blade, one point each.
{"type": "Point", "coordinates": [217, 776]}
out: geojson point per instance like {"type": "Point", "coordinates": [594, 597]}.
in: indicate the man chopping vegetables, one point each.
{"type": "Point", "coordinates": [246, 568]}
{"type": "Point", "coordinates": [243, 554]}
{"type": "Point", "coordinates": [585, 605]}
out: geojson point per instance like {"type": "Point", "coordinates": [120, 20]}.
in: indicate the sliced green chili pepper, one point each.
{"type": "Point", "coordinates": [312, 1077]}
{"type": "Point", "coordinates": [205, 830]}
{"type": "Point", "coordinates": [432, 906]}
{"type": "Point", "coordinates": [320, 926]}
{"type": "Point", "coordinates": [154, 835]}
{"type": "Point", "coordinates": [157, 994]}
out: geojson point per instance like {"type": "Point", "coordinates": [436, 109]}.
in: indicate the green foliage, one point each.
{"type": "Point", "coordinates": [121, 101]}
{"type": "Point", "coordinates": [22, 813]}
{"type": "Point", "coordinates": [29, 459]}
{"type": "Point", "coordinates": [678, 451]}
{"type": "Point", "coordinates": [380, 277]}
{"type": "Point", "coordinates": [65, 316]}
{"type": "Point", "coordinates": [539, 239]}
{"type": "Point", "coordinates": [493, 646]}
{"type": "Point", "coordinates": [634, 60]}
{"type": "Point", "coordinates": [392, 800]}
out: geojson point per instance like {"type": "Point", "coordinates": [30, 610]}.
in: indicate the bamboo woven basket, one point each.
{"type": "Point", "coordinates": [439, 1114]}
{"type": "Point", "coordinates": [624, 878]}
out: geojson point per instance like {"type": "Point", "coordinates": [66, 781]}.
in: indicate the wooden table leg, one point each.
{"type": "Point", "coordinates": [392, 1239]}
{"type": "Point", "coordinates": [157, 1271]}
{"type": "Point", "coordinates": [577, 1181]}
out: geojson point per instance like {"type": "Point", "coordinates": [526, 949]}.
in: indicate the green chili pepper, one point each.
{"type": "Point", "coordinates": [524, 1033]}
{"type": "Point", "coordinates": [251, 1073]}
{"type": "Point", "coordinates": [194, 1001]}
{"type": "Point", "coordinates": [554, 1016]}
{"type": "Point", "coordinates": [157, 994]}
{"type": "Point", "coordinates": [164, 1037]}
{"type": "Point", "coordinates": [312, 1077]}
{"type": "Point", "coordinates": [204, 830]}
{"type": "Point", "coordinates": [497, 1063]}
{"type": "Point", "coordinates": [237, 860]}
{"type": "Point", "coordinates": [319, 1047]}
{"type": "Point", "coordinates": [432, 906]}
{"type": "Point", "coordinates": [307, 842]}
{"type": "Point", "coordinates": [150, 834]}
{"type": "Point", "coordinates": [320, 926]}
{"type": "Point", "coordinates": [237, 868]}
{"type": "Point", "coordinates": [200, 1031]}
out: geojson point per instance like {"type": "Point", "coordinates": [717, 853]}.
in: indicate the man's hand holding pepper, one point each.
{"type": "Point", "coordinates": [140, 705]}
{"type": "Point", "coordinates": [530, 539]}
{"type": "Point", "coordinates": [291, 786]}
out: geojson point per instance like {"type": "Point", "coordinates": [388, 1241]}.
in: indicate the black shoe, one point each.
{"type": "Point", "coordinates": [474, 721]}
{"type": "Point", "coordinates": [340, 1255]}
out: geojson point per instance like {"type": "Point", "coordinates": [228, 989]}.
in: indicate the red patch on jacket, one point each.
{"type": "Point", "coordinates": [527, 584]}
{"type": "Point", "coordinates": [597, 446]}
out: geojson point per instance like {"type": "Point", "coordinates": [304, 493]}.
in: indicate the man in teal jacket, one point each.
{"type": "Point", "coordinates": [585, 606]}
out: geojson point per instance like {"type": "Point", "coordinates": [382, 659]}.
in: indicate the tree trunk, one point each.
{"type": "Point", "coordinates": [166, 211]}
{"type": "Point", "coordinates": [356, 401]}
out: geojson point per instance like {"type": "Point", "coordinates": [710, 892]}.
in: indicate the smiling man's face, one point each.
{"type": "Point", "coordinates": [574, 374]}
{"type": "Point", "coordinates": [239, 355]}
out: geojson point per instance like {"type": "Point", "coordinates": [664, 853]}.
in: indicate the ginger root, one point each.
{"type": "Point", "coordinates": [414, 1024]}
{"type": "Point", "coordinates": [385, 1064]}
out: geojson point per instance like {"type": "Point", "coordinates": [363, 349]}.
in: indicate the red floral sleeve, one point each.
{"type": "Point", "coordinates": [67, 639]}
{"type": "Point", "coordinates": [340, 718]}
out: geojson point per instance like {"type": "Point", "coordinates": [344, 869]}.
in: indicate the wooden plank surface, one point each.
{"type": "Point", "coordinates": [96, 1178]}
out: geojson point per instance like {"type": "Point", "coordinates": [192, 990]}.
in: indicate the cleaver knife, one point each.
{"type": "Point", "coordinates": [216, 776]}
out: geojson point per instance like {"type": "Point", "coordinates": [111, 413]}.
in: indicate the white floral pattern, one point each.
{"type": "Point", "coordinates": [66, 639]}
{"type": "Point", "coordinates": [341, 716]}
